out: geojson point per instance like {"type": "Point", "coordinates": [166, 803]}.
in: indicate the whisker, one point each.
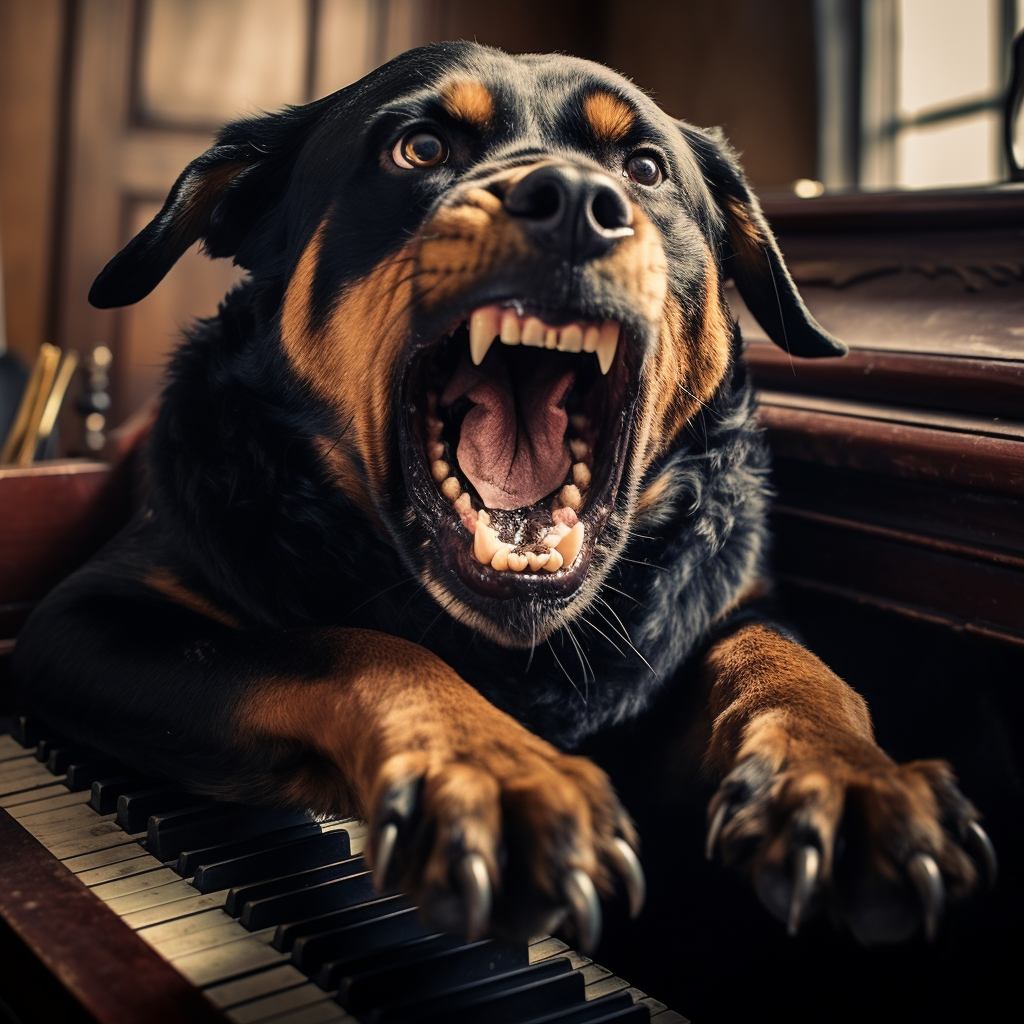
{"type": "Point", "coordinates": [601, 632]}
{"type": "Point", "coordinates": [562, 667]}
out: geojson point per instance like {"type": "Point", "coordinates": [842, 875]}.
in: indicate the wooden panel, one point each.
{"type": "Point", "coordinates": [151, 329]}
{"type": "Point", "coordinates": [203, 63]}
{"type": "Point", "coordinates": [31, 39]}
{"type": "Point", "coordinates": [346, 43]}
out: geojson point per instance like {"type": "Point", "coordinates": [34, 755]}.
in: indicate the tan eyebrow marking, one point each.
{"type": "Point", "coordinates": [610, 117]}
{"type": "Point", "coordinates": [469, 101]}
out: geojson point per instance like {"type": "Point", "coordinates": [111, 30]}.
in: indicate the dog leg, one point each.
{"type": "Point", "coordinates": [815, 811]}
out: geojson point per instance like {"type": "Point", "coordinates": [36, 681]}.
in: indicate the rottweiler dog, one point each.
{"type": "Point", "coordinates": [465, 474]}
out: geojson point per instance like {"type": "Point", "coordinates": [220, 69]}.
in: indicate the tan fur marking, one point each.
{"type": "Point", "coordinates": [165, 582]}
{"type": "Point", "coordinates": [469, 101]}
{"type": "Point", "coordinates": [652, 494]}
{"type": "Point", "coordinates": [610, 117]}
{"type": "Point", "coordinates": [745, 235]}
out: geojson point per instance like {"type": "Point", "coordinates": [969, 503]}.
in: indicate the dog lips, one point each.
{"type": "Point", "coordinates": [512, 442]}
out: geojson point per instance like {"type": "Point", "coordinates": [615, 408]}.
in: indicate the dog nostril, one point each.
{"type": "Point", "coordinates": [541, 201]}
{"type": "Point", "coordinates": [610, 210]}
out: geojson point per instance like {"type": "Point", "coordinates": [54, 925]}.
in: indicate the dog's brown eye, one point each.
{"type": "Point", "coordinates": [420, 149]}
{"type": "Point", "coordinates": [644, 170]}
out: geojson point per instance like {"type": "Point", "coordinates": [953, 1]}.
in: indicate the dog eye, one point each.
{"type": "Point", "coordinates": [643, 169]}
{"type": "Point", "coordinates": [420, 149]}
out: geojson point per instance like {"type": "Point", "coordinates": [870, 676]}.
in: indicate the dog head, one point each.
{"type": "Point", "coordinates": [502, 276]}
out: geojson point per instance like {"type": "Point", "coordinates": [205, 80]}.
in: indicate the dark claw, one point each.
{"type": "Point", "coordinates": [385, 850]}
{"type": "Point", "coordinates": [632, 874]}
{"type": "Point", "coordinates": [927, 879]}
{"type": "Point", "coordinates": [983, 850]}
{"type": "Point", "coordinates": [805, 879]}
{"type": "Point", "coordinates": [716, 828]}
{"type": "Point", "coordinates": [581, 896]}
{"type": "Point", "coordinates": [476, 888]}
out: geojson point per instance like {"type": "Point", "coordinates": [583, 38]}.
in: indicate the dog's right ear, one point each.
{"type": "Point", "coordinates": [218, 198]}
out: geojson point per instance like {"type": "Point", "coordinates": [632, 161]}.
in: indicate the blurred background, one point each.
{"type": "Point", "coordinates": [103, 102]}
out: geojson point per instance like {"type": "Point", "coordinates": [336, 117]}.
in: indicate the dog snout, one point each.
{"type": "Point", "coordinates": [573, 212]}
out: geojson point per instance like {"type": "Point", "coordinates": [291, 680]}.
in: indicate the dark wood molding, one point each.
{"type": "Point", "coordinates": [86, 950]}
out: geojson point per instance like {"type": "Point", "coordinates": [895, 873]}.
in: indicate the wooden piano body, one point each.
{"type": "Point", "coordinates": [900, 556]}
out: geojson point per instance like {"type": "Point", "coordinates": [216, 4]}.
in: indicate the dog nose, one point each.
{"type": "Point", "coordinates": [575, 212]}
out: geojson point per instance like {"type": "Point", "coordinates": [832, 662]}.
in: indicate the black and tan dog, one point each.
{"type": "Point", "coordinates": [465, 473]}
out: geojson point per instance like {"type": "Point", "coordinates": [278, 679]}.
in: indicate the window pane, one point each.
{"type": "Point", "coordinates": [954, 153]}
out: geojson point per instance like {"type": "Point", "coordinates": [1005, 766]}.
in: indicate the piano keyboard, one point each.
{"type": "Point", "coordinates": [273, 916]}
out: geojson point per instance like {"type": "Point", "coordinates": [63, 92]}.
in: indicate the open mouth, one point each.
{"type": "Point", "coordinates": [522, 421]}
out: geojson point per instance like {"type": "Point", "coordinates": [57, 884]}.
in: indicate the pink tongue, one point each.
{"type": "Point", "coordinates": [512, 444]}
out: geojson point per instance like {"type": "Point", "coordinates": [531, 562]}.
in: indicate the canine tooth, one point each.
{"type": "Point", "coordinates": [510, 330]}
{"type": "Point", "coordinates": [580, 449]}
{"type": "Point", "coordinates": [451, 488]}
{"type": "Point", "coordinates": [533, 332]}
{"type": "Point", "coordinates": [580, 475]}
{"type": "Point", "coordinates": [500, 559]}
{"type": "Point", "coordinates": [607, 343]}
{"type": "Point", "coordinates": [590, 336]}
{"type": "Point", "coordinates": [483, 329]}
{"type": "Point", "coordinates": [551, 338]}
{"type": "Point", "coordinates": [435, 450]}
{"type": "Point", "coordinates": [434, 427]}
{"type": "Point", "coordinates": [485, 542]}
{"type": "Point", "coordinates": [439, 469]}
{"type": "Point", "coordinates": [571, 544]}
{"type": "Point", "coordinates": [535, 559]}
{"type": "Point", "coordinates": [571, 339]}
{"type": "Point", "coordinates": [463, 503]}
{"type": "Point", "coordinates": [570, 496]}
{"type": "Point", "coordinates": [516, 561]}
{"type": "Point", "coordinates": [554, 562]}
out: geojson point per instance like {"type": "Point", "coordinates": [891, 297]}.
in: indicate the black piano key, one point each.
{"type": "Point", "coordinates": [617, 1008]}
{"type": "Point", "coordinates": [363, 938]}
{"type": "Point", "coordinates": [82, 774]}
{"type": "Point", "coordinates": [342, 975]}
{"type": "Point", "coordinates": [337, 894]}
{"type": "Point", "coordinates": [28, 730]}
{"type": "Point", "coordinates": [135, 807]}
{"type": "Point", "coordinates": [48, 744]}
{"type": "Point", "coordinates": [106, 791]}
{"type": "Point", "coordinates": [549, 986]}
{"type": "Point", "coordinates": [61, 757]}
{"type": "Point", "coordinates": [312, 950]}
{"type": "Point", "coordinates": [249, 860]}
{"type": "Point", "coordinates": [291, 882]}
{"type": "Point", "coordinates": [431, 975]}
{"type": "Point", "coordinates": [289, 932]}
{"type": "Point", "coordinates": [170, 833]}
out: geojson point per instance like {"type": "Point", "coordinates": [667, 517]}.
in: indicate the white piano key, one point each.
{"type": "Point", "coordinates": [266, 982]}
{"type": "Point", "coordinates": [277, 1004]}
{"type": "Point", "coordinates": [175, 889]}
{"type": "Point", "coordinates": [154, 934]}
{"type": "Point", "coordinates": [327, 1012]}
{"type": "Point", "coordinates": [142, 864]}
{"type": "Point", "coordinates": [209, 938]}
{"type": "Point", "coordinates": [11, 748]}
{"type": "Point", "coordinates": [21, 797]}
{"type": "Point", "coordinates": [128, 849]}
{"type": "Point", "coordinates": [179, 908]}
{"type": "Point", "coordinates": [31, 775]}
{"type": "Point", "coordinates": [59, 801]}
{"type": "Point", "coordinates": [228, 961]}
{"type": "Point", "coordinates": [89, 839]}
{"type": "Point", "coordinates": [57, 823]}
{"type": "Point", "coordinates": [140, 882]}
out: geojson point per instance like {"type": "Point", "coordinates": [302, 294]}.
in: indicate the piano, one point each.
{"type": "Point", "coordinates": [125, 900]}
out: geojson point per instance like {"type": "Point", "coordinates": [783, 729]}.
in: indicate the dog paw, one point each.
{"type": "Point", "coordinates": [510, 841]}
{"type": "Point", "coordinates": [878, 845]}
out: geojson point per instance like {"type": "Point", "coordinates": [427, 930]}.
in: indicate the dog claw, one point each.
{"type": "Point", "coordinates": [805, 878]}
{"type": "Point", "coordinates": [581, 896]}
{"type": "Point", "coordinates": [385, 850]}
{"type": "Point", "coordinates": [476, 888]}
{"type": "Point", "coordinates": [982, 848]}
{"type": "Point", "coordinates": [715, 830]}
{"type": "Point", "coordinates": [632, 874]}
{"type": "Point", "coordinates": [927, 879]}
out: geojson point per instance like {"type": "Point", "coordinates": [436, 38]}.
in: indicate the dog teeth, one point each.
{"type": "Point", "coordinates": [485, 542]}
{"type": "Point", "coordinates": [580, 449]}
{"type": "Point", "coordinates": [581, 475]}
{"type": "Point", "coordinates": [451, 489]}
{"type": "Point", "coordinates": [500, 559]}
{"type": "Point", "coordinates": [554, 562]}
{"type": "Point", "coordinates": [570, 545]}
{"type": "Point", "coordinates": [569, 496]}
{"type": "Point", "coordinates": [484, 326]}
{"type": "Point", "coordinates": [439, 470]}
{"type": "Point", "coordinates": [490, 322]}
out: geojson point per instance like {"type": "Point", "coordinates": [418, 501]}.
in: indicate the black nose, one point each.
{"type": "Point", "coordinates": [574, 212]}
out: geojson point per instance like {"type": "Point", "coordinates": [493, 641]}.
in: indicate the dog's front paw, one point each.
{"type": "Point", "coordinates": [508, 838]}
{"type": "Point", "coordinates": [879, 845]}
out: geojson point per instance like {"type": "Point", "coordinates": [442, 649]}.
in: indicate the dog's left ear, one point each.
{"type": "Point", "coordinates": [755, 262]}
{"type": "Point", "coordinates": [219, 197]}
